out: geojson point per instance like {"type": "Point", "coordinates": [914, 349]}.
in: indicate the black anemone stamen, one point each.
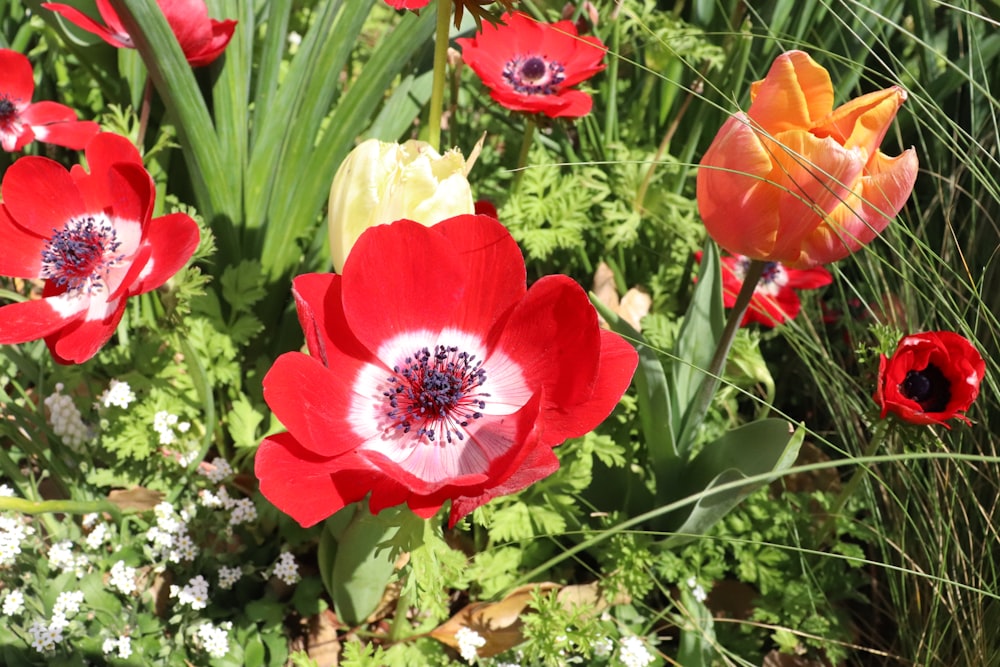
{"type": "Point", "coordinates": [81, 255]}
{"type": "Point", "coordinates": [534, 75]}
{"type": "Point", "coordinates": [929, 387]}
{"type": "Point", "coordinates": [436, 394]}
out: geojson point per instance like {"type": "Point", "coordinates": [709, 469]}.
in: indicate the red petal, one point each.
{"type": "Point", "coordinates": [311, 401]}
{"type": "Point", "coordinates": [222, 32]}
{"type": "Point", "coordinates": [808, 278]}
{"type": "Point", "coordinates": [539, 464]}
{"type": "Point", "coordinates": [494, 268]}
{"type": "Point", "coordinates": [321, 312]}
{"type": "Point", "coordinates": [401, 277]}
{"type": "Point", "coordinates": [82, 340]}
{"type": "Point", "coordinates": [554, 336]}
{"type": "Point", "coordinates": [40, 195]}
{"type": "Point", "coordinates": [31, 320]}
{"type": "Point", "coordinates": [57, 124]}
{"type": "Point", "coordinates": [22, 255]}
{"type": "Point", "coordinates": [81, 20]}
{"type": "Point", "coordinates": [297, 481]}
{"type": "Point", "coordinates": [18, 82]}
{"type": "Point", "coordinates": [172, 239]}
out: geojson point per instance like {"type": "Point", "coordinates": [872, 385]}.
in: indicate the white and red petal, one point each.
{"type": "Point", "coordinates": [55, 123]}
{"type": "Point", "coordinates": [113, 35]}
{"type": "Point", "coordinates": [401, 277]}
{"type": "Point", "coordinates": [172, 240]}
{"type": "Point", "coordinates": [312, 401]}
{"type": "Point", "coordinates": [37, 318]}
{"type": "Point", "coordinates": [84, 337]}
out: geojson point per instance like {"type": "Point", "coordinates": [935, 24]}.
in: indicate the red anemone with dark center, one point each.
{"type": "Point", "coordinates": [775, 300]}
{"type": "Point", "coordinates": [22, 122]}
{"type": "Point", "coordinates": [434, 374]}
{"type": "Point", "coordinates": [201, 39]}
{"type": "Point", "coordinates": [92, 238]}
{"type": "Point", "coordinates": [531, 66]}
{"type": "Point", "coordinates": [930, 378]}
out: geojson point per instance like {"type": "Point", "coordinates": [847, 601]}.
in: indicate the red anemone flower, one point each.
{"type": "Point", "coordinates": [92, 238]}
{"type": "Point", "coordinates": [407, 4]}
{"type": "Point", "coordinates": [531, 66]}
{"type": "Point", "coordinates": [930, 378]}
{"type": "Point", "coordinates": [433, 375]}
{"type": "Point", "coordinates": [202, 39]}
{"type": "Point", "coordinates": [22, 122]}
{"type": "Point", "coordinates": [774, 300]}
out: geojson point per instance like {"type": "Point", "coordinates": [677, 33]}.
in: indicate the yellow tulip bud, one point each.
{"type": "Point", "coordinates": [381, 182]}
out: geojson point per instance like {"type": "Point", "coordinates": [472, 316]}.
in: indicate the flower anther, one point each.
{"type": "Point", "coordinates": [80, 256]}
{"type": "Point", "coordinates": [534, 75]}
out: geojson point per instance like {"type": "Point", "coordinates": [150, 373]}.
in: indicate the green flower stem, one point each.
{"type": "Point", "coordinates": [60, 506]}
{"type": "Point", "coordinates": [879, 435]}
{"type": "Point", "coordinates": [713, 374]}
{"type": "Point", "coordinates": [522, 158]}
{"type": "Point", "coordinates": [440, 67]}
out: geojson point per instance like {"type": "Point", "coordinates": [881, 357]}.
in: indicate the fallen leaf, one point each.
{"type": "Point", "coordinates": [137, 498]}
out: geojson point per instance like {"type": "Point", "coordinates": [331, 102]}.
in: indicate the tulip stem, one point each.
{"type": "Point", "coordinates": [713, 374]}
{"type": "Point", "coordinates": [440, 65]}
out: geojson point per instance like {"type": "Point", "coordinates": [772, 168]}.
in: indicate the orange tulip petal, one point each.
{"type": "Point", "coordinates": [863, 121]}
{"type": "Point", "coordinates": [863, 215]}
{"type": "Point", "coordinates": [795, 94]}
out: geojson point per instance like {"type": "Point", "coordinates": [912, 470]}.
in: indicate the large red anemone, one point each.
{"type": "Point", "coordinates": [92, 238]}
{"type": "Point", "coordinates": [434, 374]}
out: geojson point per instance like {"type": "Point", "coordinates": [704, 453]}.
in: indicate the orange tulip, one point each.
{"type": "Point", "coordinates": [794, 180]}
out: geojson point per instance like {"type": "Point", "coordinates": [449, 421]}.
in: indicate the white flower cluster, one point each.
{"type": "Point", "coordinates": [65, 418]}
{"type": "Point", "coordinates": [46, 636]}
{"type": "Point", "coordinates": [121, 644]}
{"type": "Point", "coordinates": [194, 594]}
{"type": "Point", "coordinates": [633, 652]}
{"type": "Point", "coordinates": [214, 639]}
{"type": "Point", "coordinates": [469, 643]}
{"type": "Point", "coordinates": [12, 534]}
{"type": "Point", "coordinates": [98, 536]}
{"type": "Point", "coordinates": [243, 511]}
{"type": "Point", "coordinates": [603, 647]}
{"type": "Point", "coordinates": [228, 576]}
{"type": "Point", "coordinates": [61, 557]}
{"type": "Point", "coordinates": [123, 578]}
{"type": "Point", "coordinates": [217, 470]}
{"type": "Point", "coordinates": [118, 393]}
{"type": "Point", "coordinates": [286, 568]}
{"type": "Point", "coordinates": [6, 491]}
{"type": "Point", "coordinates": [170, 534]}
{"type": "Point", "coordinates": [13, 604]}
{"type": "Point", "coordinates": [164, 424]}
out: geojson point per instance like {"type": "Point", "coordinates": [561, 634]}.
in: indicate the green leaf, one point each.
{"type": "Point", "coordinates": [768, 445]}
{"type": "Point", "coordinates": [363, 566]}
{"type": "Point", "coordinates": [242, 285]}
{"type": "Point", "coordinates": [692, 354]}
{"type": "Point", "coordinates": [253, 651]}
{"type": "Point", "coordinates": [697, 638]}
{"type": "Point", "coordinates": [243, 420]}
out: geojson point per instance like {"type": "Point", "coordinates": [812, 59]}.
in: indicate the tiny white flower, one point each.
{"type": "Point", "coordinates": [469, 643]}
{"type": "Point", "coordinates": [696, 590]}
{"type": "Point", "coordinates": [68, 603]}
{"type": "Point", "coordinates": [215, 640]}
{"type": "Point", "coordinates": [229, 576]}
{"type": "Point", "coordinates": [217, 470]}
{"type": "Point", "coordinates": [184, 427]}
{"type": "Point", "coordinates": [97, 537]}
{"type": "Point", "coordinates": [124, 647]}
{"type": "Point", "coordinates": [6, 491]}
{"type": "Point", "coordinates": [243, 511]}
{"type": "Point", "coordinates": [13, 604]}
{"type": "Point", "coordinates": [123, 578]}
{"type": "Point", "coordinates": [603, 647]}
{"type": "Point", "coordinates": [118, 393]}
{"type": "Point", "coordinates": [194, 594]}
{"type": "Point", "coordinates": [633, 653]}
{"type": "Point", "coordinates": [286, 568]}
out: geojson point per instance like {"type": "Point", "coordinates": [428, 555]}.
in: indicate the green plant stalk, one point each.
{"type": "Point", "coordinates": [713, 374]}
{"type": "Point", "coordinates": [442, 32]}
{"type": "Point", "coordinates": [879, 435]}
{"type": "Point", "coordinates": [60, 506]}
{"type": "Point", "coordinates": [522, 157]}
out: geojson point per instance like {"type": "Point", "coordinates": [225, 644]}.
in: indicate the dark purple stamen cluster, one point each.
{"type": "Point", "coordinates": [532, 75]}
{"type": "Point", "coordinates": [771, 271]}
{"type": "Point", "coordinates": [928, 387]}
{"type": "Point", "coordinates": [7, 110]}
{"type": "Point", "coordinates": [436, 394]}
{"type": "Point", "coordinates": [80, 255]}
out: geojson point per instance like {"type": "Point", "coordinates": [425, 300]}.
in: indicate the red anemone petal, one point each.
{"type": "Point", "coordinates": [554, 337]}
{"type": "Point", "coordinates": [86, 336]}
{"type": "Point", "coordinates": [808, 278]}
{"type": "Point", "coordinates": [74, 134]}
{"type": "Point", "coordinates": [311, 401]}
{"type": "Point", "coordinates": [321, 315]}
{"type": "Point", "coordinates": [539, 464]}
{"type": "Point", "coordinates": [22, 255]}
{"type": "Point", "coordinates": [37, 318]}
{"type": "Point", "coordinates": [297, 481]}
{"type": "Point", "coordinates": [773, 310]}
{"type": "Point", "coordinates": [388, 289]}
{"type": "Point", "coordinates": [40, 195]}
{"type": "Point", "coordinates": [18, 82]}
{"type": "Point", "coordinates": [172, 240]}
{"type": "Point", "coordinates": [84, 22]}
{"type": "Point", "coordinates": [494, 266]}
{"type": "Point", "coordinates": [222, 33]}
